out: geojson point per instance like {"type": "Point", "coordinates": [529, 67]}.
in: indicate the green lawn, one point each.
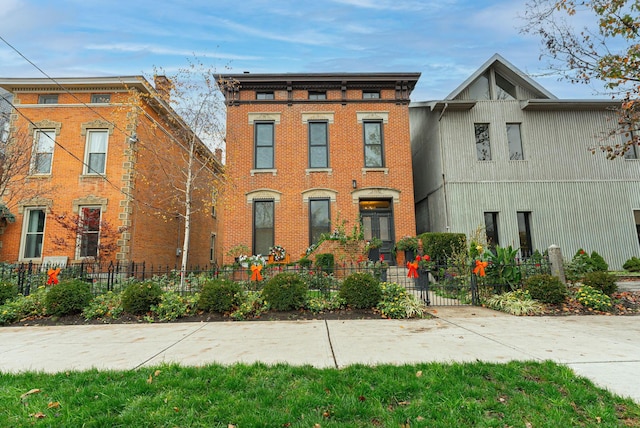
{"type": "Point", "coordinates": [517, 394]}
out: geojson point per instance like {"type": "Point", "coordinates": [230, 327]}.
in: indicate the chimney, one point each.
{"type": "Point", "coordinates": [163, 87]}
{"type": "Point", "coordinates": [218, 155]}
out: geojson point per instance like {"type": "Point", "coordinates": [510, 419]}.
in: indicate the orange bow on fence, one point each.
{"type": "Point", "coordinates": [413, 269]}
{"type": "Point", "coordinates": [255, 273]}
{"type": "Point", "coordinates": [53, 276]}
{"type": "Point", "coordinates": [479, 269]}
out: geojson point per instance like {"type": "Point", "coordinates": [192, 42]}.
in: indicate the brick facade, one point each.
{"type": "Point", "coordinates": [140, 139]}
{"type": "Point", "coordinates": [291, 183]}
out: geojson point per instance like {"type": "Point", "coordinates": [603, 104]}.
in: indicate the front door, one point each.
{"type": "Point", "coordinates": [377, 221]}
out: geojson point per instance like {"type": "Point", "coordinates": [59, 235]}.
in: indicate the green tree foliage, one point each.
{"type": "Point", "coordinates": [608, 51]}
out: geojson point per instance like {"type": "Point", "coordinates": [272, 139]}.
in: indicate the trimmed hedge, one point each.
{"type": "Point", "coordinates": [138, 297]}
{"type": "Point", "coordinates": [546, 288]}
{"type": "Point", "coordinates": [441, 246]}
{"type": "Point", "coordinates": [220, 295]}
{"type": "Point", "coordinates": [602, 281]}
{"type": "Point", "coordinates": [325, 262]}
{"type": "Point", "coordinates": [68, 297]}
{"type": "Point", "coordinates": [361, 291]}
{"type": "Point", "coordinates": [285, 291]}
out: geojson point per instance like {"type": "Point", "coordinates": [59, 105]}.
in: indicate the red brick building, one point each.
{"type": "Point", "coordinates": [107, 153]}
{"type": "Point", "coordinates": [305, 152]}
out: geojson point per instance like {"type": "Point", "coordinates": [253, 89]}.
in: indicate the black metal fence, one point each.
{"type": "Point", "coordinates": [438, 284]}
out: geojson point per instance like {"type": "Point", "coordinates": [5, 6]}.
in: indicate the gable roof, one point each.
{"type": "Point", "coordinates": [509, 71]}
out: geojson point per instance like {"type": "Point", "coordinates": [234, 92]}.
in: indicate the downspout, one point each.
{"type": "Point", "coordinates": [442, 154]}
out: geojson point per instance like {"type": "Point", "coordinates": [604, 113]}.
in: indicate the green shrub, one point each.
{"type": "Point", "coordinates": [305, 262]}
{"type": "Point", "coordinates": [602, 281]}
{"type": "Point", "coordinates": [361, 291]}
{"type": "Point", "coordinates": [632, 265]}
{"type": "Point", "coordinates": [598, 262]}
{"type": "Point", "coordinates": [107, 306]}
{"type": "Point", "coordinates": [442, 246]}
{"type": "Point", "coordinates": [320, 304]}
{"type": "Point", "coordinates": [138, 297]}
{"type": "Point", "coordinates": [7, 291]}
{"type": "Point", "coordinates": [325, 262]}
{"type": "Point", "coordinates": [546, 288]}
{"type": "Point", "coordinates": [396, 302]}
{"type": "Point", "coordinates": [517, 302]}
{"type": "Point", "coordinates": [220, 295]}
{"type": "Point", "coordinates": [252, 307]}
{"type": "Point", "coordinates": [68, 297]}
{"type": "Point", "coordinates": [285, 291]}
{"type": "Point", "coordinates": [21, 307]}
{"type": "Point", "coordinates": [173, 305]}
{"type": "Point", "coordinates": [594, 299]}
{"type": "Point", "coordinates": [582, 263]}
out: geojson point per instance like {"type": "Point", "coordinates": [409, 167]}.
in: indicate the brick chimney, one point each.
{"type": "Point", "coordinates": [218, 154]}
{"type": "Point", "coordinates": [163, 87]}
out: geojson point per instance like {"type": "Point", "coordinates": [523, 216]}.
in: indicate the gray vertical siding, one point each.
{"type": "Point", "coordinates": [577, 200]}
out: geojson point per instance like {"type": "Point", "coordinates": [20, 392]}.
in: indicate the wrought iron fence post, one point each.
{"type": "Point", "coordinates": [21, 278]}
{"type": "Point", "coordinates": [110, 277]}
{"type": "Point", "coordinates": [474, 289]}
{"type": "Point", "coordinates": [27, 284]}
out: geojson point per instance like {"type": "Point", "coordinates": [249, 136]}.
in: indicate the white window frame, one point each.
{"type": "Point", "coordinates": [50, 134]}
{"type": "Point", "coordinates": [25, 227]}
{"type": "Point", "coordinates": [88, 152]}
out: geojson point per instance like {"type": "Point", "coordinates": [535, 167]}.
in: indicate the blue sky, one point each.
{"type": "Point", "coordinates": [445, 40]}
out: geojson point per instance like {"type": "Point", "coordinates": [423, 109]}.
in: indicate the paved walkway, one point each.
{"type": "Point", "coordinates": [604, 349]}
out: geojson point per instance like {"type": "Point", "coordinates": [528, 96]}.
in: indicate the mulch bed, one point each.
{"type": "Point", "coordinates": [625, 303]}
{"type": "Point", "coordinates": [300, 315]}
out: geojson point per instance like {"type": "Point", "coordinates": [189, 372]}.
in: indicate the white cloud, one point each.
{"type": "Point", "coordinates": [162, 50]}
{"type": "Point", "coordinates": [410, 5]}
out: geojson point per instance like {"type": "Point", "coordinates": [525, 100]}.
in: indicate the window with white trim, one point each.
{"type": "Point", "coordinates": [96, 152]}
{"type": "Point", "coordinates": [43, 146]}
{"type": "Point", "coordinates": [33, 233]}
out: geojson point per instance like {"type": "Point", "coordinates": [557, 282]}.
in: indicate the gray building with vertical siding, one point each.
{"type": "Point", "coordinates": [501, 152]}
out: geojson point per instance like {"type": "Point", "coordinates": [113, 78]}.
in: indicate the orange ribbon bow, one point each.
{"type": "Point", "coordinates": [480, 266]}
{"type": "Point", "coordinates": [413, 269]}
{"type": "Point", "coordinates": [53, 276]}
{"type": "Point", "coordinates": [255, 273]}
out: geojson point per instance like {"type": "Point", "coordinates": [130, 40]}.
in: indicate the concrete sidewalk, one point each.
{"type": "Point", "coordinates": [603, 349]}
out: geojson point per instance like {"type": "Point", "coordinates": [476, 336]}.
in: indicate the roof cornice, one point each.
{"type": "Point", "coordinates": [63, 84]}
{"type": "Point", "coordinates": [577, 104]}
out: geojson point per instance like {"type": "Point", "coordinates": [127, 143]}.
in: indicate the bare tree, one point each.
{"type": "Point", "coordinates": [19, 158]}
{"type": "Point", "coordinates": [608, 50]}
{"type": "Point", "coordinates": [90, 237]}
{"type": "Point", "coordinates": [184, 175]}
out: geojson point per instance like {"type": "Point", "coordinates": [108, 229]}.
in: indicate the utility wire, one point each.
{"type": "Point", "coordinates": [175, 140]}
{"type": "Point", "coordinates": [166, 132]}
{"type": "Point", "coordinates": [74, 156]}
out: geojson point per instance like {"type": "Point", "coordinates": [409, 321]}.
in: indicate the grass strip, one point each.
{"type": "Point", "coordinates": [517, 394]}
